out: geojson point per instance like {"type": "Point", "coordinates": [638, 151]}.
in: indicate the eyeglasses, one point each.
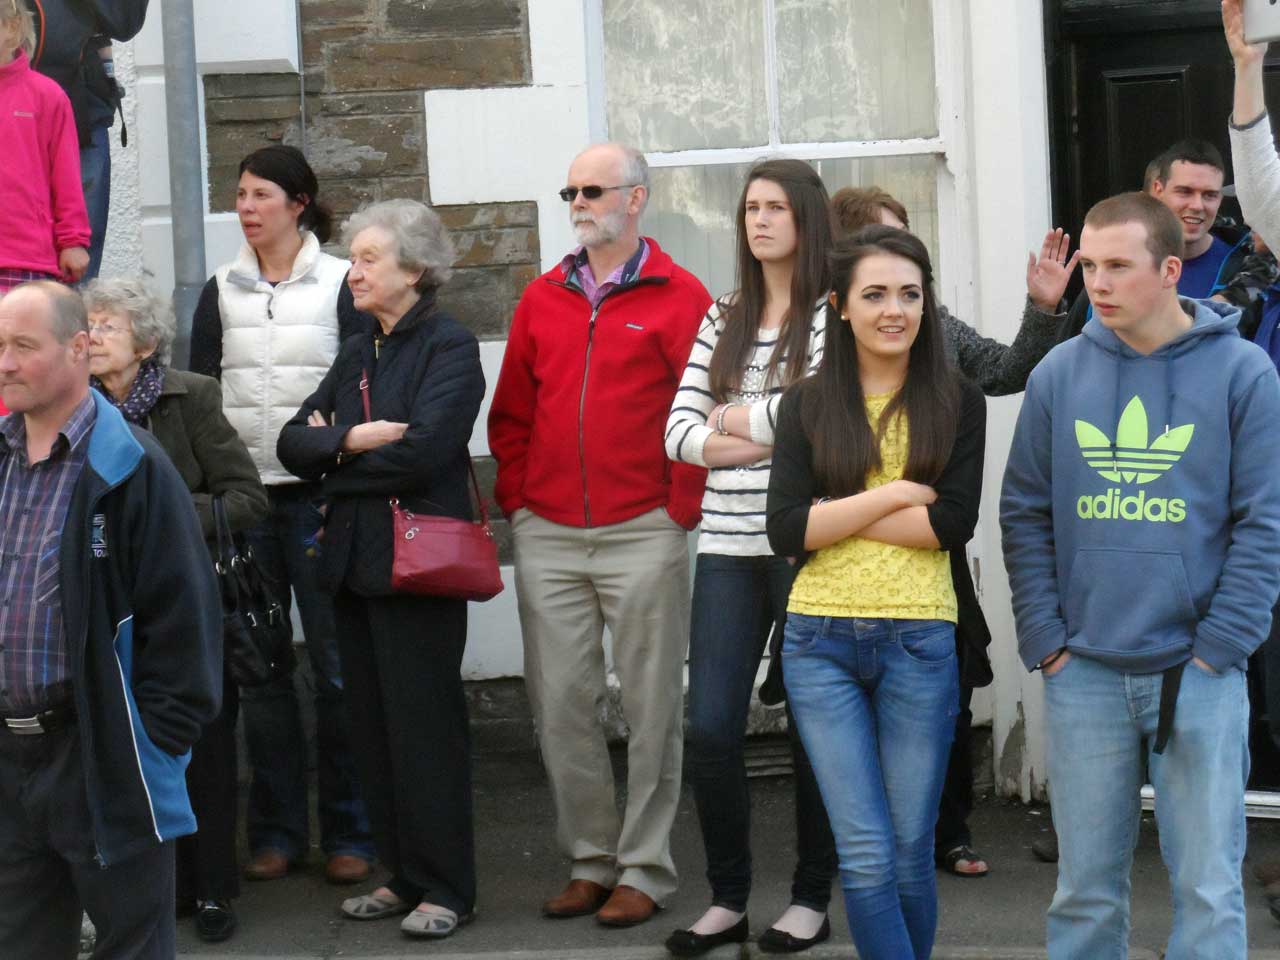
{"type": "Point", "coordinates": [569, 194]}
{"type": "Point", "coordinates": [105, 329]}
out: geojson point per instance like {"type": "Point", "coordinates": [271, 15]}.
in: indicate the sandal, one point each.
{"type": "Point", "coordinates": [429, 920]}
{"type": "Point", "coordinates": [372, 906]}
{"type": "Point", "coordinates": [964, 861]}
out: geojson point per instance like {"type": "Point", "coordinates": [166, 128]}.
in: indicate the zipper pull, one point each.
{"type": "Point", "coordinates": [377, 346]}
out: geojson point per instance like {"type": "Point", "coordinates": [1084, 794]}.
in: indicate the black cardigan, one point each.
{"type": "Point", "coordinates": [793, 487]}
{"type": "Point", "coordinates": [426, 373]}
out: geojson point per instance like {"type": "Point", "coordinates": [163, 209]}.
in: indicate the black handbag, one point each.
{"type": "Point", "coordinates": [256, 633]}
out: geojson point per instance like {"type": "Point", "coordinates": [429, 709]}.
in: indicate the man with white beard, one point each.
{"type": "Point", "coordinates": [599, 517]}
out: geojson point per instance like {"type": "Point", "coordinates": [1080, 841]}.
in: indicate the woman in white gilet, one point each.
{"type": "Point", "coordinates": [268, 326]}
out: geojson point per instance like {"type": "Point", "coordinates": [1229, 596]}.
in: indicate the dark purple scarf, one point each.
{"type": "Point", "coordinates": [143, 393]}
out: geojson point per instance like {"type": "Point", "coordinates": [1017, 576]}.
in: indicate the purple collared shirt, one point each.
{"type": "Point", "coordinates": [577, 269]}
{"type": "Point", "coordinates": [35, 667]}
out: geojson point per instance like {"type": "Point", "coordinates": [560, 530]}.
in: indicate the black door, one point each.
{"type": "Point", "coordinates": [1126, 79]}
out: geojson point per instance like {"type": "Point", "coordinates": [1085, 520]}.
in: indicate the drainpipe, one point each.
{"type": "Point", "coordinates": [186, 174]}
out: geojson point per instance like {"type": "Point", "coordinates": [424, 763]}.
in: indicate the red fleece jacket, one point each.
{"type": "Point", "coordinates": [577, 419]}
{"type": "Point", "coordinates": [42, 208]}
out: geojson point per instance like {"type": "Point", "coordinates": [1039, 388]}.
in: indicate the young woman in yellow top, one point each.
{"type": "Point", "coordinates": [877, 474]}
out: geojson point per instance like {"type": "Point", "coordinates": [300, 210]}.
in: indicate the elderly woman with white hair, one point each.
{"type": "Point", "coordinates": [130, 333]}
{"type": "Point", "coordinates": [419, 373]}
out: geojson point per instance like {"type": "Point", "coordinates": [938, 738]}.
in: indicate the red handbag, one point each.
{"type": "Point", "coordinates": [441, 556]}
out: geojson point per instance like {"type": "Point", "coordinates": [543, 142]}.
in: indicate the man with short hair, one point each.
{"type": "Point", "coordinates": [110, 651]}
{"type": "Point", "coordinates": [1218, 258]}
{"type": "Point", "coordinates": [599, 515]}
{"type": "Point", "coordinates": [1140, 510]}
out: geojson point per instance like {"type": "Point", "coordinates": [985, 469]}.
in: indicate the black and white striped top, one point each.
{"type": "Point", "coordinates": [733, 507]}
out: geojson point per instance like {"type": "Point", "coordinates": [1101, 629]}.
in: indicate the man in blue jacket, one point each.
{"type": "Point", "coordinates": [1141, 513]}
{"type": "Point", "coordinates": [110, 651]}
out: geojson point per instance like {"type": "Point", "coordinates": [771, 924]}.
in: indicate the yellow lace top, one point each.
{"type": "Point", "coordinates": [869, 579]}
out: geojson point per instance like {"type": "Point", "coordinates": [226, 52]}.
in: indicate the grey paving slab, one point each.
{"type": "Point", "coordinates": [1000, 917]}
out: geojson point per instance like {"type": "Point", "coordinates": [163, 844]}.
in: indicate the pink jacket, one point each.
{"type": "Point", "coordinates": [42, 208]}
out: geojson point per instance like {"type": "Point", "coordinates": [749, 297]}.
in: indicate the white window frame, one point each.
{"type": "Point", "coordinates": [950, 146]}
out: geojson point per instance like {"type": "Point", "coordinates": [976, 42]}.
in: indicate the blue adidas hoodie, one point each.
{"type": "Point", "coordinates": [1141, 502]}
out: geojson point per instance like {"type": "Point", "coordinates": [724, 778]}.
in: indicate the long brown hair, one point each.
{"type": "Point", "coordinates": [811, 211]}
{"type": "Point", "coordinates": [846, 445]}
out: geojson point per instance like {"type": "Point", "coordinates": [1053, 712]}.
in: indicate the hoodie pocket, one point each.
{"type": "Point", "coordinates": [1123, 605]}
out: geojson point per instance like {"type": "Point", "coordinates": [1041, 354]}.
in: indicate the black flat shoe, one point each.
{"type": "Point", "coordinates": [686, 943]}
{"type": "Point", "coordinates": [215, 920]}
{"type": "Point", "coordinates": [774, 940]}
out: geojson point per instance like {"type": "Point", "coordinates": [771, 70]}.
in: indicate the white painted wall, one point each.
{"type": "Point", "coordinates": [1008, 137]}
{"type": "Point", "coordinates": [232, 36]}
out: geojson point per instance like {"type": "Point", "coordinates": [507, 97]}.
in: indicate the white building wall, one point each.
{"type": "Point", "coordinates": [1008, 127]}
{"type": "Point", "coordinates": [520, 142]}
{"type": "Point", "coordinates": [232, 36]}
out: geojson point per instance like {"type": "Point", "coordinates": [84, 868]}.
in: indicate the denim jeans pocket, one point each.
{"type": "Point", "coordinates": [1209, 672]}
{"type": "Point", "coordinates": [928, 641]}
{"type": "Point", "coordinates": [802, 632]}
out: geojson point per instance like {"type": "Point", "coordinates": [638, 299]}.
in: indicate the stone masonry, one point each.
{"type": "Point", "coordinates": [366, 66]}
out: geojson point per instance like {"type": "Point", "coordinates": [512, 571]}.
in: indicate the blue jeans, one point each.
{"type": "Point", "coordinates": [876, 703]}
{"type": "Point", "coordinates": [95, 180]}
{"type": "Point", "coordinates": [1100, 724]}
{"type": "Point", "coordinates": [737, 601]}
{"type": "Point", "coordinates": [278, 815]}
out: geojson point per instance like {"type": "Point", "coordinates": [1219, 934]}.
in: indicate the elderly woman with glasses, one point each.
{"type": "Point", "coordinates": [418, 371]}
{"type": "Point", "coordinates": [130, 333]}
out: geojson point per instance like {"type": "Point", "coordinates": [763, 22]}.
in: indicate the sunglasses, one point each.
{"type": "Point", "coordinates": [569, 194]}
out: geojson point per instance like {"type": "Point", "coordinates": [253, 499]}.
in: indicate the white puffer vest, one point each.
{"type": "Point", "coordinates": [277, 344]}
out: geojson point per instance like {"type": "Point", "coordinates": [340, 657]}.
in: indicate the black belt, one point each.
{"type": "Point", "coordinates": [46, 721]}
{"type": "Point", "coordinates": [1168, 703]}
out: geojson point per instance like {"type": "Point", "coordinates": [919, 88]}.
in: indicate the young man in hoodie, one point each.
{"type": "Point", "coordinates": [1140, 510]}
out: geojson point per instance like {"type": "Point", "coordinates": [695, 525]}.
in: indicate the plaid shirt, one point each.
{"type": "Point", "coordinates": [35, 668]}
{"type": "Point", "coordinates": [577, 270]}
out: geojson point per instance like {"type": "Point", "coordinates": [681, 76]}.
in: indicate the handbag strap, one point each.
{"type": "Point", "coordinates": [471, 468]}
{"type": "Point", "coordinates": [222, 529]}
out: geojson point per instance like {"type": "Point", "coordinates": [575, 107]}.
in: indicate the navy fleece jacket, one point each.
{"type": "Point", "coordinates": [1141, 502]}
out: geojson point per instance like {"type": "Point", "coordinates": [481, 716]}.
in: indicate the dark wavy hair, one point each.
{"type": "Point", "coordinates": [810, 208]}
{"type": "Point", "coordinates": [846, 445]}
{"type": "Point", "coordinates": [288, 169]}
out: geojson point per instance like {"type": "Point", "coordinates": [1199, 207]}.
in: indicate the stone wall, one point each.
{"type": "Point", "coordinates": [367, 64]}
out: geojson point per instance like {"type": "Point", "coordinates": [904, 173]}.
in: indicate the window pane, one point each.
{"type": "Point", "coordinates": [855, 70]}
{"type": "Point", "coordinates": [685, 74]}
{"type": "Point", "coordinates": [691, 209]}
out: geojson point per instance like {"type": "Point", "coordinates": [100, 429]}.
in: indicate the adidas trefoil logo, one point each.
{"type": "Point", "coordinates": [1131, 460]}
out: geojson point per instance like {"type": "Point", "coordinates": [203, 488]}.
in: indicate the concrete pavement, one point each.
{"type": "Point", "coordinates": [999, 917]}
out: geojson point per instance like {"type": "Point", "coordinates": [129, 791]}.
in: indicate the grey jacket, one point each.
{"type": "Point", "coordinates": [1000, 369]}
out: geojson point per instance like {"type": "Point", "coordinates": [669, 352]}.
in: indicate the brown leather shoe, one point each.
{"type": "Point", "coordinates": [626, 907]}
{"type": "Point", "coordinates": [267, 864]}
{"type": "Point", "coordinates": [344, 868]}
{"type": "Point", "coordinates": [578, 899]}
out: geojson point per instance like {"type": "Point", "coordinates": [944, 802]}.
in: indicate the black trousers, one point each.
{"type": "Point", "coordinates": [47, 869]}
{"type": "Point", "coordinates": [401, 668]}
{"type": "Point", "coordinates": [956, 804]}
{"type": "Point", "coordinates": [207, 868]}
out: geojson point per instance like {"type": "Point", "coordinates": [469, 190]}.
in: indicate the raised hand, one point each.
{"type": "Point", "coordinates": [1048, 275]}
{"type": "Point", "coordinates": [1242, 52]}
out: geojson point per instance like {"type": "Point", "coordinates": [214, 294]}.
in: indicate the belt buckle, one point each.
{"type": "Point", "coordinates": [25, 726]}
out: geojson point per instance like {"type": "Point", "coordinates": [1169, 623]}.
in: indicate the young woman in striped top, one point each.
{"type": "Point", "coordinates": [753, 343]}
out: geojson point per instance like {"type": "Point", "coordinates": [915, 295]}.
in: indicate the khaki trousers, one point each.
{"type": "Point", "coordinates": [571, 582]}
